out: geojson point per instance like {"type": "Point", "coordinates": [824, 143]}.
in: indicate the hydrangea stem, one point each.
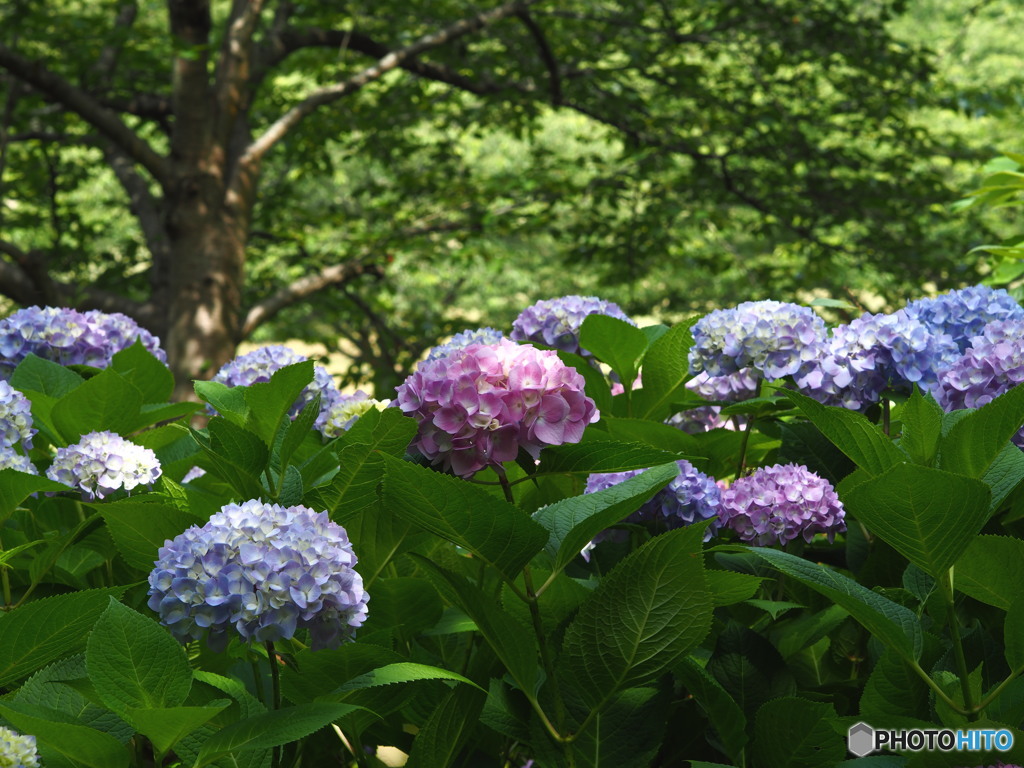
{"type": "Point", "coordinates": [275, 695]}
{"type": "Point", "coordinates": [946, 582]}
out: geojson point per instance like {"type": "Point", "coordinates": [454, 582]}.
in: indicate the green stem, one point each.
{"type": "Point", "coordinates": [505, 486]}
{"type": "Point", "coordinates": [958, 648]}
{"type": "Point", "coordinates": [743, 448]}
{"type": "Point", "coordinates": [885, 416]}
{"type": "Point", "coordinates": [545, 658]}
{"type": "Point", "coordinates": [275, 688]}
{"type": "Point", "coordinates": [999, 689]}
{"type": "Point", "coordinates": [6, 583]}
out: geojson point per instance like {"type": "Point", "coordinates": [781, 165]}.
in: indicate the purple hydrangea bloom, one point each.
{"type": "Point", "coordinates": [465, 339]}
{"type": "Point", "coordinates": [877, 352]}
{"type": "Point", "coordinates": [69, 337]}
{"type": "Point", "coordinates": [103, 462]}
{"type": "Point", "coordinates": [777, 504]}
{"type": "Point", "coordinates": [258, 366]}
{"type": "Point", "coordinates": [347, 411]}
{"type": "Point", "coordinates": [17, 750]}
{"type": "Point", "coordinates": [731, 388]}
{"type": "Point", "coordinates": [774, 338]}
{"type": "Point", "coordinates": [690, 497]}
{"type": "Point", "coordinates": [193, 474]}
{"type": "Point", "coordinates": [478, 406]}
{"type": "Point", "coordinates": [556, 322]}
{"type": "Point", "coordinates": [9, 459]}
{"type": "Point", "coordinates": [15, 418]}
{"type": "Point", "coordinates": [963, 314]}
{"type": "Point", "coordinates": [263, 571]}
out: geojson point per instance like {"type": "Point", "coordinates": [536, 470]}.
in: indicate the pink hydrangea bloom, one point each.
{"type": "Point", "coordinates": [478, 406]}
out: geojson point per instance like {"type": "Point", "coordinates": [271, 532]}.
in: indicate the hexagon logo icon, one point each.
{"type": "Point", "coordinates": [860, 739]}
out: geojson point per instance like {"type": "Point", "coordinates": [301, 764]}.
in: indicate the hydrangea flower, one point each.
{"type": "Point", "coordinates": [556, 322]}
{"type": "Point", "coordinates": [103, 462]}
{"type": "Point", "coordinates": [347, 411]}
{"type": "Point", "coordinates": [732, 388]}
{"type": "Point", "coordinates": [69, 337]}
{"type": "Point", "coordinates": [262, 571]}
{"type": "Point", "coordinates": [15, 418]}
{"type": "Point", "coordinates": [9, 459]}
{"type": "Point", "coordinates": [777, 504]}
{"type": "Point", "coordinates": [258, 366]}
{"type": "Point", "coordinates": [17, 750]}
{"type": "Point", "coordinates": [877, 352]}
{"type": "Point", "coordinates": [963, 314]}
{"type": "Point", "coordinates": [465, 339]}
{"type": "Point", "coordinates": [774, 338]}
{"type": "Point", "coordinates": [478, 406]}
{"type": "Point", "coordinates": [193, 474]}
{"type": "Point", "coordinates": [690, 497]}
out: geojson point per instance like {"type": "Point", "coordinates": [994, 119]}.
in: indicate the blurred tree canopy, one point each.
{"type": "Point", "coordinates": [379, 171]}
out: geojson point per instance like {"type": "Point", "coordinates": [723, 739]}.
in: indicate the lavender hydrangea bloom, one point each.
{"type": "Point", "coordinates": [465, 339]}
{"type": "Point", "coordinates": [17, 750]}
{"type": "Point", "coordinates": [9, 459]}
{"type": "Point", "coordinates": [347, 411]}
{"type": "Point", "coordinates": [556, 322]}
{"type": "Point", "coordinates": [690, 497]}
{"type": "Point", "coordinates": [478, 406]}
{"type": "Point", "coordinates": [963, 314]}
{"type": "Point", "coordinates": [15, 418]}
{"type": "Point", "coordinates": [732, 388]}
{"type": "Point", "coordinates": [69, 337]}
{"type": "Point", "coordinates": [877, 352]}
{"type": "Point", "coordinates": [263, 571]}
{"type": "Point", "coordinates": [103, 462]}
{"type": "Point", "coordinates": [777, 504]}
{"type": "Point", "coordinates": [772, 337]}
{"type": "Point", "coordinates": [258, 366]}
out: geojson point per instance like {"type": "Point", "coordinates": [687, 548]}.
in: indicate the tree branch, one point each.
{"type": "Point", "coordinates": [336, 274]}
{"type": "Point", "coordinates": [106, 63]}
{"type": "Point", "coordinates": [546, 54]}
{"type": "Point", "coordinates": [142, 202]}
{"type": "Point", "coordinates": [85, 106]}
{"type": "Point", "coordinates": [394, 59]}
{"type": "Point", "coordinates": [231, 83]}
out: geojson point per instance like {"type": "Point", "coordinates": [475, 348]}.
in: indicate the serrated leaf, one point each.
{"type": "Point", "coordinates": [991, 570]}
{"type": "Point", "coordinates": [165, 726]}
{"type": "Point", "coordinates": [439, 741]}
{"type": "Point", "coordinates": [317, 674]}
{"type": "Point", "coordinates": [236, 456]}
{"type": "Point", "coordinates": [152, 378]}
{"type": "Point", "coordinates": [134, 663]}
{"type": "Point", "coordinates": [80, 745]}
{"type": "Point", "coordinates": [45, 377]}
{"type": "Point", "coordinates": [749, 667]}
{"type": "Point", "coordinates": [602, 456]}
{"type": "Point", "coordinates": [17, 486]}
{"type": "Point", "coordinates": [402, 672]}
{"type": "Point", "coordinates": [404, 605]}
{"type": "Point", "coordinates": [976, 440]}
{"type": "Point", "coordinates": [721, 709]}
{"type": "Point", "coordinates": [922, 426]}
{"type": "Point", "coordinates": [139, 529]}
{"type": "Point", "coordinates": [1004, 474]}
{"type": "Point", "coordinates": [729, 587]}
{"type": "Point", "coordinates": [927, 515]}
{"type": "Point", "coordinates": [894, 690]}
{"type": "Point", "coordinates": [662, 607]}
{"type": "Point", "coordinates": [269, 402]}
{"type": "Point", "coordinates": [796, 733]}
{"type": "Point", "coordinates": [628, 733]}
{"type": "Point", "coordinates": [615, 342]}
{"type": "Point", "coordinates": [107, 401]}
{"type": "Point", "coordinates": [492, 529]}
{"type": "Point", "coordinates": [229, 402]}
{"type": "Point", "coordinates": [666, 369]}
{"type": "Point", "coordinates": [298, 430]}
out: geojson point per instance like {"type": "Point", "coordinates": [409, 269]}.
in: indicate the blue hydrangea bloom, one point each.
{"type": "Point", "coordinates": [69, 337]}
{"type": "Point", "coordinates": [347, 411]}
{"type": "Point", "coordinates": [774, 338]}
{"type": "Point", "coordinates": [878, 352]}
{"type": "Point", "coordinates": [261, 571]}
{"type": "Point", "coordinates": [963, 314]}
{"type": "Point", "coordinates": [690, 497]}
{"type": "Point", "coordinates": [9, 459]}
{"type": "Point", "coordinates": [258, 366]}
{"type": "Point", "coordinates": [103, 462]}
{"type": "Point", "coordinates": [15, 418]}
{"type": "Point", "coordinates": [17, 750]}
{"type": "Point", "coordinates": [465, 339]}
{"type": "Point", "coordinates": [556, 322]}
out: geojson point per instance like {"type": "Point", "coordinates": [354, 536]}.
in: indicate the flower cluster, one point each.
{"type": "Point", "coordinates": [258, 366]}
{"type": "Point", "coordinates": [963, 314]}
{"type": "Point", "coordinates": [779, 503]}
{"type": "Point", "coordinates": [774, 338]}
{"type": "Point", "coordinates": [690, 497]}
{"type": "Point", "coordinates": [465, 339]}
{"type": "Point", "coordinates": [264, 571]}
{"type": "Point", "coordinates": [480, 405]}
{"type": "Point", "coordinates": [103, 462]}
{"type": "Point", "coordinates": [347, 410]}
{"type": "Point", "coordinates": [11, 460]}
{"type": "Point", "coordinates": [17, 750]}
{"type": "Point", "coordinates": [556, 322]}
{"type": "Point", "coordinates": [732, 388]}
{"type": "Point", "coordinates": [69, 337]}
{"type": "Point", "coordinates": [876, 352]}
{"type": "Point", "coordinates": [15, 418]}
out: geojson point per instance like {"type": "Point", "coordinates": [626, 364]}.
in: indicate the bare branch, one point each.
{"type": "Point", "coordinates": [546, 54]}
{"type": "Point", "coordinates": [83, 104]}
{"type": "Point", "coordinates": [394, 59]}
{"type": "Point", "coordinates": [142, 202]}
{"type": "Point", "coordinates": [151, 106]}
{"type": "Point", "coordinates": [334, 275]}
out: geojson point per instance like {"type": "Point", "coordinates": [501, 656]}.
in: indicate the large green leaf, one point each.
{"type": "Point", "coordinates": [165, 726]}
{"type": "Point", "coordinates": [615, 342]}
{"type": "Point", "coordinates": [796, 733]}
{"type": "Point", "coordinates": [628, 733]}
{"type": "Point", "coordinates": [922, 426]}
{"type": "Point", "coordinates": [927, 515]}
{"type": "Point", "coordinates": [78, 745]}
{"type": "Point", "coordinates": [269, 402]}
{"type": "Point", "coordinates": [152, 378]}
{"type": "Point", "coordinates": [229, 402]}
{"type": "Point", "coordinates": [602, 456]}
{"type": "Point", "coordinates": [724, 714]}
{"type": "Point", "coordinates": [235, 455]}
{"type": "Point", "coordinates": [1004, 474]}
{"type": "Point", "coordinates": [852, 433]}
{"type": "Point", "coordinates": [438, 742]}
{"type": "Point", "coordinates": [991, 570]}
{"type": "Point", "coordinates": [976, 440]}
{"type": "Point", "coordinates": [140, 529]}
{"type": "Point", "coordinates": [107, 401]}
{"type": "Point", "coordinates": [17, 486]}
{"type": "Point", "coordinates": [666, 369]}
{"type": "Point", "coordinates": [400, 673]}
{"type": "Point", "coordinates": [662, 609]}
{"type": "Point", "coordinates": [465, 514]}
{"type": "Point", "coordinates": [44, 377]}
{"type": "Point", "coordinates": [894, 691]}
{"type": "Point", "coordinates": [134, 663]}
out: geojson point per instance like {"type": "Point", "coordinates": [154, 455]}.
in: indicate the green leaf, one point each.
{"type": "Point", "coordinates": [662, 607]}
{"type": "Point", "coordinates": [615, 342]}
{"type": "Point", "coordinates": [45, 377]}
{"type": "Point", "coordinates": [893, 691]}
{"type": "Point", "coordinates": [236, 456]}
{"type": "Point", "coordinates": [922, 426]}
{"type": "Point", "coordinates": [140, 529]}
{"type": "Point", "coordinates": [601, 456]}
{"type": "Point", "coordinates": [134, 663]}
{"type": "Point", "coordinates": [927, 515]}
{"type": "Point", "coordinates": [107, 401]}
{"type": "Point", "coordinates": [729, 587]}
{"type": "Point", "coordinates": [573, 522]}
{"type": "Point", "coordinates": [269, 402]}
{"type": "Point", "coordinates": [17, 486]}
{"type": "Point", "coordinates": [724, 714]}
{"type": "Point", "coordinates": [45, 630]}
{"type": "Point", "coordinates": [1004, 475]}
{"type": "Point", "coordinates": [152, 378]}
{"type": "Point", "coordinates": [271, 729]}
{"type": "Point", "coordinates": [439, 741]}
{"type": "Point", "coordinates": [165, 726]}
{"type": "Point", "coordinates": [318, 673]}
{"type": "Point", "coordinates": [1013, 634]}
{"type": "Point", "coordinates": [402, 672]}
{"type": "Point", "coordinates": [895, 626]}
{"type": "Point", "coordinates": [796, 733]}
{"type": "Point", "coordinates": [465, 514]}
{"type": "Point", "coordinates": [666, 370]}
{"type": "Point", "coordinates": [229, 402]}
{"type": "Point", "coordinates": [79, 745]}
{"type": "Point", "coordinates": [976, 440]}
{"type": "Point", "coordinates": [991, 570]}
{"type": "Point", "coordinates": [298, 430]}
{"type": "Point", "coordinates": [628, 733]}
{"type": "Point", "coordinates": [652, 433]}
{"type": "Point", "coordinates": [852, 433]}
{"type": "Point", "coordinates": [749, 668]}
{"type": "Point", "coordinates": [403, 604]}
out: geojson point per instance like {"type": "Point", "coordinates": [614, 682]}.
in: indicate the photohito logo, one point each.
{"type": "Point", "coordinates": [862, 740]}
